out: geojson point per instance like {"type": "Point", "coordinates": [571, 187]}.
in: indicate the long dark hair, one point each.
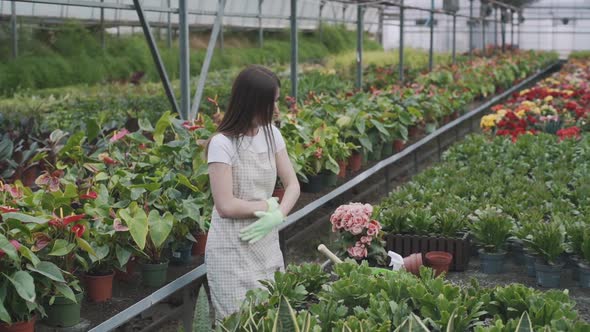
{"type": "Point", "coordinates": [251, 103]}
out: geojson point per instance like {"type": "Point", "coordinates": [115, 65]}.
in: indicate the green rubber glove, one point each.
{"type": "Point", "coordinates": [265, 223]}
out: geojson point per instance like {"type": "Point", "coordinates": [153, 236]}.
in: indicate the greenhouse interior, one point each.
{"type": "Point", "coordinates": [294, 165]}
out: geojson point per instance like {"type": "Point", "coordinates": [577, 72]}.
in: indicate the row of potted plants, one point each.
{"type": "Point", "coordinates": [326, 134]}
{"type": "Point", "coordinates": [355, 298]}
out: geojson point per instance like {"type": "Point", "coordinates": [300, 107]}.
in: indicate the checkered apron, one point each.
{"type": "Point", "coordinates": [234, 266]}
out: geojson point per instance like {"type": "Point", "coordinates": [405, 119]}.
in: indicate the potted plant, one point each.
{"type": "Point", "coordinates": [28, 283]}
{"type": "Point", "coordinates": [491, 228]}
{"type": "Point", "coordinates": [548, 241]}
{"type": "Point", "coordinates": [360, 235]}
{"type": "Point", "coordinates": [149, 232]}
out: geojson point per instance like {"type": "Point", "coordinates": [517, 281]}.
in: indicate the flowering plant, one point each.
{"type": "Point", "coordinates": [361, 235]}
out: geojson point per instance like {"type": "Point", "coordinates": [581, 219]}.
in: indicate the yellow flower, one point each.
{"type": "Point", "coordinates": [501, 113]}
{"type": "Point", "coordinates": [536, 110]}
{"type": "Point", "coordinates": [528, 103]}
{"type": "Point", "coordinates": [525, 91]}
{"type": "Point", "coordinates": [521, 113]}
{"type": "Point", "coordinates": [548, 99]}
{"type": "Point", "coordinates": [488, 121]}
{"type": "Point", "coordinates": [568, 92]}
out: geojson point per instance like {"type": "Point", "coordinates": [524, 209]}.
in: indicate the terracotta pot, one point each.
{"type": "Point", "coordinates": [279, 193]}
{"type": "Point", "coordinates": [129, 272]}
{"type": "Point", "coordinates": [414, 131]}
{"type": "Point", "coordinates": [446, 119]}
{"type": "Point", "coordinates": [439, 261]}
{"type": "Point", "coordinates": [342, 164]}
{"type": "Point", "coordinates": [199, 247]}
{"type": "Point", "coordinates": [398, 145]}
{"type": "Point", "coordinates": [355, 161]}
{"type": "Point", "coordinates": [99, 288]}
{"type": "Point", "coordinates": [412, 263]}
{"type": "Point", "coordinates": [28, 326]}
{"type": "Point", "coordinates": [454, 115]}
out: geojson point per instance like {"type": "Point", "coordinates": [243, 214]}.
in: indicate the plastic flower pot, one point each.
{"type": "Point", "coordinates": [375, 155]}
{"type": "Point", "coordinates": [315, 184]}
{"type": "Point", "coordinates": [27, 326]}
{"type": "Point", "coordinates": [583, 275]}
{"type": "Point", "coordinates": [99, 287]}
{"type": "Point", "coordinates": [517, 252]}
{"type": "Point", "coordinates": [199, 247]}
{"type": "Point", "coordinates": [387, 149]}
{"type": "Point", "coordinates": [63, 312]}
{"type": "Point", "coordinates": [154, 275]}
{"type": "Point", "coordinates": [413, 262]}
{"type": "Point", "coordinates": [355, 161]}
{"type": "Point", "coordinates": [530, 260]}
{"type": "Point", "coordinates": [181, 256]}
{"type": "Point", "coordinates": [279, 193]}
{"type": "Point", "coordinates": [492, 263]}
{"type": "Point", "coordinates": [129, 273]}
{"type": "Point", "coordinates": [342, 164]}
{"type": "Point", "coordinates": [548, 275]}
{"type": "Point", "coordinates": [440, 261]}
{"type": "Point", "coordinates": [398, 145]}
{"type": "Point", "coordinates": [330, 179]}
{"type": "Point", "coordinates": [573, 264]}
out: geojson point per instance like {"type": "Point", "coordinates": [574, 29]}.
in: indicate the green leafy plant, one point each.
{"type": "Point", "coordinates": [548, 241]}
{"type": "Point", "coordinates": [491, 228]}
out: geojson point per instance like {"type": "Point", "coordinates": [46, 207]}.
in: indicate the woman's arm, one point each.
{"type": "Point", "coordinates": [228, 206]}
{"type": "Point", "coordinates": [289, 179]}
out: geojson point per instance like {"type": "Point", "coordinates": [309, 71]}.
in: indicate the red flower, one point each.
{"type": "Point", "coordinates": [50, 181]}
{"type": "Point", "coordinates": [62, 222]}
{"type": "Point", "coordinates": [191, 126]}
{"type": "Point", "coordinates": [571, 105]}
{"type": "Point", "coordinates": [89, 195]}
{"type": "Point", "coordinates": [6, 209]}
{"type": "Point", "coordinates": [105, 158]}
{"type": "Point", "coordinates": [78, 230]}
{"type": "Point", "coordinates": [571, 132]}
{"type": "Point", "coordinates": [119, 135]}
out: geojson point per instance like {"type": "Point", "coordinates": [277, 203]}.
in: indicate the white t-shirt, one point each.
{"type": "Point", "coordinates": [223, 150]}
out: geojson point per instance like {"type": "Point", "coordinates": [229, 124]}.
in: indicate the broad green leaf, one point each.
{"type": "Point", "coordinates": [137, 221]}
{"type": "Point", "coordinates": [366, 143]}
{"type": "Point", "coordinates": [160, 227]}
{"type": "Point", "coordinates": [28, 254]}
{"type": "Point", "coordinates": [24, 218]}
{"type": "Point", "coordinates": [66, 291]}
{"type": "Point", "coordinates": [85, 246]}
{"type": "Point", "coordinates": [49, 270]}
{"type": "Point", "coordinates": [101, 252]}
{"type": "Point", "coordinates": [145, 125]}
{"type": "Point", "coordinates": [161, 126]}
{"type": "Point", "coordinates": [92, 129]}
{"type": "Point", "coordinates": [524, 324]}
{"type": "Point", "coordinates": [61, 247]}
{"type": "Point", "coordinates": [136, 193]}
{"type": "Point", "coordinates": [4, 315]}
{"type": "Point", "coordinates": [182, 179]}
{"type": "Point", "coordinates": [123, 255]}
{"type": "Point", "coordinates": [24, 285]}
{"type": "Point", "coordinates": [8, 248]}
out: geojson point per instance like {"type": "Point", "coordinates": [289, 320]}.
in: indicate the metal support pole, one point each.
{"type": "Point", "coordinates": [320, 24]}
{"type": "Point", "coordinates": [294, 48]}
{"type": "Point", "coordinates": [495, 28]}
{"type": "Point", "coordinates": [483, 34]}
{"type": "Point", "coordinates": [221, 39]}
{"type": "Point", "coordinates": [156, 55]}
{"type": "Point", "coordinates": [431, 49]}
{"type": "Point", "coordinates": [102, 32]}
{"type": "Point", "coordinates": [169, 28]}
{"type": "Point", "coordinates": [185, 92]}
{"type": "Point", "coordinates": [260, 29]}
{"type": "Point", "coordinates": [380, 27]}
{"type": "Point", "coordinates": [359, 46]}
{"type": "Point", "coordinates": [14, 29]}
{"type": "Point", "coordinates": [387, 181]}
{"type": "Point", "coordinates": [511, 28]}
{"type": "Point", "coordinates": [187, 309]}
{"type": "Point", "coordinates": [454, 38]}
{"type": "Point", "coordinates": [470, 27]}
{"type": "Point", "coordinates": [503, 26]}
{"type": "Point", "coordinates": [208, 56]}
{"type": "Point", "coordinates": [401, 41]}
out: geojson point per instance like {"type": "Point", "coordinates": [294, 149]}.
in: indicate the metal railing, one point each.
{"type": "Point", "coordinates": [198, 275]}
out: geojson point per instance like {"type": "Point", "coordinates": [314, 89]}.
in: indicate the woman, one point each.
{"type": "Point", "coordinates": [244, 159]}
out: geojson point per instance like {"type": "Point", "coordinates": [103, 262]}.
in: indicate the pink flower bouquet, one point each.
{"type": "Point", "coordinates": [360, 234]}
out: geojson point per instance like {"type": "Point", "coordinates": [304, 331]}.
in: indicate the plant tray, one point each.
{"type": "Point", "coordinates": [407, 244]}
